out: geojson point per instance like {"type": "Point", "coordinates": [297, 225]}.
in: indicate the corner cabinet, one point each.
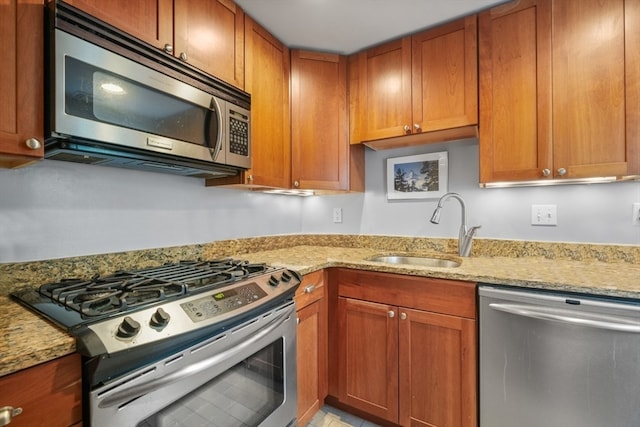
{"type": "Point", "coordinates": [417, 85]}
{"type": "Point", "coordinates": [49, 395]}
{"type": "Point", "coordinates": [311, 304]}
{"type": "Point", "coordinates": [405, 348]}
{"type": "Point", "coordinates": [559, 90]}
{"type": "Point", "coordinates": [322, 158]}
{"type": "Point", "coordinates": [22, 100]}
{"type": "Point", "coordinates": [208, 34]}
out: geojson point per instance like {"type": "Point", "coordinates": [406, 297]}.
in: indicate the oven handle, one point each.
{"type": "Point", "coordinates": [592, 320]}
{"type": "Point", "coordinates": [121, 397]}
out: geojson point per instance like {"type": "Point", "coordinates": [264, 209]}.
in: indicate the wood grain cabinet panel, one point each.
{"type": "Point", "coordinates": [268, 66]}
{"type": "Point", "coordinates": [50, 394]}
{"type": "Point", "coordinates": [322, 158]}
{"type": "Point", "coordinates": [559, 90]}
{"type": "Point", "coordinates": [149, 20]}
{"type": "Point", "coordinates": [405, 348]}
{"type": "Point", "coordinates": [419, 84]}
{"type": "Point", "coordinates": [21, 85]}
{"type": "Point", "coordinates": [208, 34]}
{"type": "Point", "coordinates": [311, 304]}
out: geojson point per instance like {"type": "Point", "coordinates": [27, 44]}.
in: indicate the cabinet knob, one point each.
{"type": "Point", "coordinates": [403, 315]}
{"type": "Point", "coordinates": [296, 184]}
{"type": "Point", "coordinates": [250, 179]}
{"type": "Point", "coordinates": [168, 47]}
{"type": "Point", "coordinates": [7, 413]}
{"type": "Point", "coordinates": [391, 314]}
{"type": "Point", "coordinates": [562, 171]}
{"type": "Point", "coordinates": [416, 127]}
{"type": "Point", "coordinates": [309, 289]}
{"type": "Point", "coordinates": [183, 56]}
{"type": "Point", "coordinates": [33, 144]}
{"type": "Point", "coordinates": [546, 172]}
{"type": "Point", "coordinates": [407, 128]}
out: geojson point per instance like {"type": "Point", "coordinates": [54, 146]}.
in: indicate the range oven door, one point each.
{"type": "Point", "coordinates": [245, 376]}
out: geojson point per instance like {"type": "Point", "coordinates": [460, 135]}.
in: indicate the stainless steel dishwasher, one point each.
{"type": "Point", "coordinates": [558, 360]}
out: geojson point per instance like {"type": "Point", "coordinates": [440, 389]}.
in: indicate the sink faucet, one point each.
{"type": "Point", "coordinates": [465, 237]}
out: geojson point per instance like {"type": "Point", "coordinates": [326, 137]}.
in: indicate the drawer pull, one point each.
{"type": "Point", "coordinates": [7, 413]}
{"type": "Point", "coordinates": [309, 289]}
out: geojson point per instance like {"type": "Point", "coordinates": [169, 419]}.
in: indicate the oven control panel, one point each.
{"type": "Point", "coordinates": [223, 302]}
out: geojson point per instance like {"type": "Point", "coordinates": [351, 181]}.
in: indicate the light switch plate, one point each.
{"type": "Point", "coordinates": [337, 215]}
{"type": "Point", "coordinates": [544, 215]}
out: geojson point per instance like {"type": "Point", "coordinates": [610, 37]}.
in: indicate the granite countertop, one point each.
{"type": "Point", "coordinates": [28, 339]}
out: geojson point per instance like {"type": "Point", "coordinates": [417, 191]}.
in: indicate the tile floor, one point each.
{"type": "Point", "coordinates": [329, 416]}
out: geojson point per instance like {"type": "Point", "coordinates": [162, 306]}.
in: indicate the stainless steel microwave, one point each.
{"type": "Point", "coordinates": [108, 109]}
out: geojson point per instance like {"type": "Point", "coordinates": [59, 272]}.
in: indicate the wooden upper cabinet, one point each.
{"type": "Point", "coordinates": [322, 158]}
{"type": "Point", "coordinates": [559, 90]}
{"type": "Point", "coordinates": [592, 133]}
{"type": "Point", "coordinates": [149, 20]}
{"type": "Point", "coordinates": [21, 85]}
{"type": "Point", "coordinates": [384, 91]}
{"type": "Point", "coordinates": [422, 83]}
{"type": "Point", "coordinates": [210, 34]}
{"type": "Point", "coordinates": [267, 71]}
{"type": "Point", "coordinates": [445, 76]}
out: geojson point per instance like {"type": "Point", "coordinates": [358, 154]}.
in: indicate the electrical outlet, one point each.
{"type": "Point", "coordinates": [544, 215]}
{"type": "Point", "coordinates": [635, 218]}
{"type": "Point", "coordinates": [337, 215]}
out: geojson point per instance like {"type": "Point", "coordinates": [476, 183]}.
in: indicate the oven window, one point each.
{"type": "Point", "coordinates": [243, 396]}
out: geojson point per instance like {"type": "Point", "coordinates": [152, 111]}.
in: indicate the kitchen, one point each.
{"type": "Point", "coordinates": [55, 209]}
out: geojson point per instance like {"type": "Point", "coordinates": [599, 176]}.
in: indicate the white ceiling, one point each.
{"type": "Point", "coordinates": [346, 26]}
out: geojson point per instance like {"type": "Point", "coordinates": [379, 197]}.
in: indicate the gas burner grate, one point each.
{"type": "Point", "coordinates": [126, 290]}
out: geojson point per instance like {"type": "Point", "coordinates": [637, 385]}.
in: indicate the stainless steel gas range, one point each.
{"type": "Point", "coordinates": [207, 343]}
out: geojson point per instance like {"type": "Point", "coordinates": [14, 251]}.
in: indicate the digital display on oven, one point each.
{"type": "Point", "coordinates": [223, 302]}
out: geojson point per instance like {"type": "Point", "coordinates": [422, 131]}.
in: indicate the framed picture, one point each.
{"type": "Point", "coordinates": [423, 176]}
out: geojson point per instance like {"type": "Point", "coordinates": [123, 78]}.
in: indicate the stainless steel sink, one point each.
{"type": "Point", "coordinates": [424, 261]}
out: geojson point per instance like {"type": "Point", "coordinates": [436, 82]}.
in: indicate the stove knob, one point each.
{"type": "Point", "coordinates": [286, 276]}
{"type": "Point", "coordinates": [159, 319]}
{"type": "Point", "coordinates": [128, 328]}
{"type": "Point", "coordinates": [273, 281]}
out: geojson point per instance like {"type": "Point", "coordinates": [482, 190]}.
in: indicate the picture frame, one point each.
{"type": "Point", "coordinates": [422, 176]}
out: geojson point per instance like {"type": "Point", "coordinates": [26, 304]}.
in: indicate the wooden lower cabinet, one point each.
{"type": "Point", "coordinates": [405, 348]}
{"type": "Point", "coordinates": [50, 394]}
{"type": "Point", "coordinates": [311, 345]}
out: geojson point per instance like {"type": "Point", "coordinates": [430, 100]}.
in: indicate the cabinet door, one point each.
{"type": "Point", "coordinates": [368, 357]}
{"type": "Point", "coordinates": [309, 361]}
{"type": "Point", "coordinates": [590, 100]}
{"type": "Point", "coordinates": [445, 76]}
{"type": "Point", "coordinates": [149, 20]}
{"type": "Point", "coordinates": [21, 85]}
{"type": "Point", "coordinates": [209, 34]}
{"type": "Point", "coordinates": [50, 394]}
{"type": "Point", "coordinates": [319, 143]}
{"type": "Point", "coordinates": [384, 91]}
{"type": "Point", "coordinates": [267, 80]}
{"type": "Point", "coordinates": [437, 370]}
{"type": "Point", "coordinates": [515, 91]}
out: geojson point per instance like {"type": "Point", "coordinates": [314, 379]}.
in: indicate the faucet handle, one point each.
{"type": "Point", "coordinates": [472, 230]}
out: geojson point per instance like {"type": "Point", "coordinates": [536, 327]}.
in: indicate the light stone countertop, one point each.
{"type": "Point", "coordinates": [28, 339]}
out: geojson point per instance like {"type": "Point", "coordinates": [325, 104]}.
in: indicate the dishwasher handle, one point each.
{"type": "Point", "coordinates": [573, 317]}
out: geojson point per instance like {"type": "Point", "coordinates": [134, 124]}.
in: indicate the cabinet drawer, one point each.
{"type": "Point", "coordinates": [453, 297]}
{"type": "Point", "coordinates": [311, 289]}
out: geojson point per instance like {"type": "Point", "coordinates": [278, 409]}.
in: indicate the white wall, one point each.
{"type": "Point", "coordinates": [58, 209]}
{"type": "Point", "coordinates": [595, 213]}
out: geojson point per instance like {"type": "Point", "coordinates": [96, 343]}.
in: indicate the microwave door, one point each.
{"type": "Point", "coordinates": [102, 96]}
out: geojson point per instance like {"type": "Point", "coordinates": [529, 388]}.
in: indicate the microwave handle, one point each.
{"type": "Point", "coordinates": [214, 113]}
